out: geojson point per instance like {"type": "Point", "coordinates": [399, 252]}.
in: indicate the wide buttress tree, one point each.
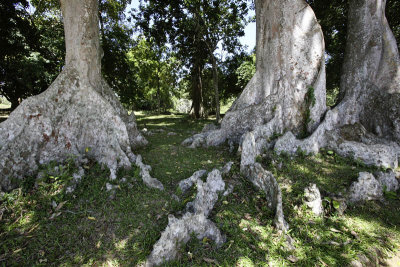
{"type": "Point", "coordinates": [77, 115]}
{"type": "Point", "coordinates": [366, 123]}
{"type": "Point", "coordinates": [287, 91]}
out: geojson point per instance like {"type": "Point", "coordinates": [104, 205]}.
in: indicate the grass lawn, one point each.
{"type": "Point", "coordinates": [41, 225]}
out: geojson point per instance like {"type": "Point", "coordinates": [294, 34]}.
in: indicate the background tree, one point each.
{"type": "Point", "coordinates": [30, 51]}
{"type": "Point", "coordinates": [222, 22]}
{"type": "Point", "coordinates": [194, 29]}
{"type": "Point", "coordinates": [156, 74]}
{"type": "Point", "coordinates": [116, 41]}
{"type": "Point", "coordinates": [246, 70]}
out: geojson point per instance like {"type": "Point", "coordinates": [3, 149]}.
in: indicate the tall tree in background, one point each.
{"type": "Point", "coordinates": [155, 73]}
{"type": "Point", "coordinates": [115, 39]}
{"type": "Point", "coordinates": [222, 22]}
{"type": "Point", "coordinates": [195, 28]}
{"type": "Point", "coordinates": [31, 51]}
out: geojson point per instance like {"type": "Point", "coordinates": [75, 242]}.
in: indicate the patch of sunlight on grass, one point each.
{"type": "Point", "coordinates": [26, 220]}
{"type": "Point", "coordinates": [244, 262]}
{"type": "Point", "coordinates": [161, 124]}
{"type": "Point", "coordinates": [111, 263]}
{"type": "Point", "coordinates": [366, 225]}
{"type": "Point", "coordinates": [5, 106]}
{"type": "Point", "coordinates": [121, 244]}
{"type": "Point", "coordinates": [226, 106]}
{"type": "Point", "coordinates": [254, 227]}
{"type": "Point", "coordinates": [277, 262]}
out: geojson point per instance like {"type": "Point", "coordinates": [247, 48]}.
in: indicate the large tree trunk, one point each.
{"type": "Point", "coordinates": [78, 111]}
{"type": "Point", "coordinates": [370, 84]}
{"type": "Point", "coordinates": [286, 93]}
{"type": "Point", "coordinates": [290, 71]}
{"type": "Point", "coordinates": [290, 66]}
{"type": "Point", "coordinates": [366, 123]}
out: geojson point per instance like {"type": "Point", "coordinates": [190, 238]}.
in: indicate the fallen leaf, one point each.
{"type": "Point", "coordinates": [335, 230]}
{"type": "Point", "coordinates": [91, 218]}
{"type": "Point", "coordinates": [334, 243]}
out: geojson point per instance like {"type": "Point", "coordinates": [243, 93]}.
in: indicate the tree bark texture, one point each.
{"type": "Point", "coordinates": [78, 111]}
{"type": "Point", "coordinates": [286, 93]}
{"type": "Point", "coordinates": [290, 66]}
{"type": "Point", "coordinates": [366, 123]}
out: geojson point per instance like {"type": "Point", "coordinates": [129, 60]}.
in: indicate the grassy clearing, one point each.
{"type": "Point", "coordinates": [41, 225]}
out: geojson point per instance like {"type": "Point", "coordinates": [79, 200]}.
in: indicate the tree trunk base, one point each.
{"type": "Point", "coordinates": [366, 123]}
{"type": "Point", "coordinates": [287, 91]}
{"type": "Point", "coordinates": [350, 140]}
{"type": "Point", "coordinates": [71, 118]}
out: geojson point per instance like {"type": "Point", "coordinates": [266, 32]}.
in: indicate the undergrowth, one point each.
{"type": "Point", "coordinates": [42, 225]}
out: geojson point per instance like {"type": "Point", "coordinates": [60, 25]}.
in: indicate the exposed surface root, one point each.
{"type": "Point", "coordinates": [347, 140]}
{"type": "Point", "coordinates": [70, 118]}
{"type": "Point", "coordinates": [145, 174]}
{"type": "Point", "coordinates": [179, 231]}
{"type": "Point", "coordinates": [186, 184]}
{"type": "Point", "coordinates": [262, 179]}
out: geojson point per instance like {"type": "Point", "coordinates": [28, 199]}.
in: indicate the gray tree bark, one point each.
{"type": "Point", "coordinates": [290, 66]}
{"type": "Point", "coordinates": [286, 93]}
{"type": "Point", "coordinates": [78, 111]}
{"type": "Point", "coordinates": [366, 123]}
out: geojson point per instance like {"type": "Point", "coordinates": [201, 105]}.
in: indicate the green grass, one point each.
{"type": "Point", "coordinates": [4, 103]}
{"type": "Point", "coordinates": [93, 229]}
